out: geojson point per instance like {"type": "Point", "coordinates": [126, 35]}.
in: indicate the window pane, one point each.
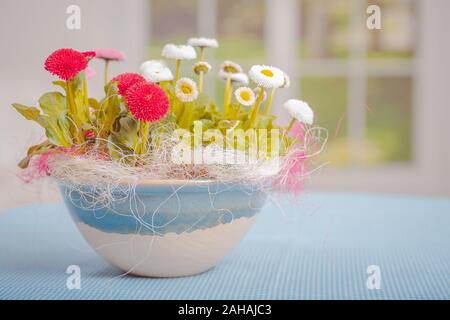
{"type": "Point", "coordinates": [389, 122]}
{"type": "Point", "coordinates": [325, 28]}
{"type": "Point", "coordinates": [172, 21]}
{"type": "Point", "coordinates": [328, 98]}
{"type": "Point", "coordinates": [240, 29]}
{"type": "Point", "coordinates": [396, 37]}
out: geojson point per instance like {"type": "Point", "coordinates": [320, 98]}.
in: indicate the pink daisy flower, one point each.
{"type": "Point", "coordinates": [126, 80]}
{"type": "Point", "coordinates": [66, 63]}
{"type": "Point", "coordinates": [89, 54]}
{"type": "Point", "coordinates": [109, 54]}
{"type": "Point", "coordinates": [147, 101]}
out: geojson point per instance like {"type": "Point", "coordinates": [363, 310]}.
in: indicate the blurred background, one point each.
{"type": "Point", "coordinates": [382, 94]}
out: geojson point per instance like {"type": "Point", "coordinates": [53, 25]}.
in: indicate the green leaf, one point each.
{"type": "Point", "coordinates": [87, 126]}
{"type": "Point", "coordinates": [114, 149]}
{"type": "Point", "coordinates": [30, 113]}
{"type": "Point", "coordinates": [83, 110]}
{"type": "Point", "coordinates": [32, 151]}
{"type": "Point", "coordinates": [57, 130]}
{"type": "Point", "coordinates": [94, 104]}
{"type": "Point", "coordinates": [52, 103]}
{"type": "Point", "coordinates": [207, 124]}
{"type": "Point", "coordinates": [202, 100]}
{"type": "Point", "coordinates": [109, 110]}
{"type": "Point", "coordinates": [198, 112]}
{"type": "Point", "coordinates": [51, 131]}
{"type": "Point", "coordinates": [176, 107]}
{"type": "Point", "coordinates": [128, 134]}
{"type": "Point", "coordinates": [64, 129]}
{"type": "Point", "coordinates": [125, 140]}
{"type": "Point", "coordinates": [60, 83]}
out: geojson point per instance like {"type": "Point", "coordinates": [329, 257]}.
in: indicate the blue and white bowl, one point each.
{"type": "Point", "coordinates": [165, 228]}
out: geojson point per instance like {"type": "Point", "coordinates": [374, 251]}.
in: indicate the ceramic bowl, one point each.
{"type": "Point", "coordinates": [165, 228]}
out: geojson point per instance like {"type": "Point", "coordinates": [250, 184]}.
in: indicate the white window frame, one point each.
{"type": "Point", "coordinates": [429, 170]}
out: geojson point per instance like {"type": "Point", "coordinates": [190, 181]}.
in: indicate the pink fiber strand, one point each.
{"type": "Point", "coordinates": [291, 175]}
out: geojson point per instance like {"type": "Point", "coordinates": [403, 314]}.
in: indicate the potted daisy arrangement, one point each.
{"type": "Point", "coordinates": [160, 178]}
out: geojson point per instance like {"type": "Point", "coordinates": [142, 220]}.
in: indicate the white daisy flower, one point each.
{"type": "Point", "coordinates": [266, 76]}
{"type": "Point", "coordinates": [257, 90]}
{"type": "Point", "coordinates": [201, 66]}
{"type": "Point", "coordinates": [230, 67]}
{"type": "Point", "coordinates": [245, 96]}
{"type": "Point", "coordinates": [232, 74]}
{"type": "Point", "coordinates": [203, 42]}
{"type": "Point", "coordinates": [287, 81]}
{"type": "Point", "coordinates": [237, 79]}
{"type": "Point", "coordinates": [178, 52]}
{"type": "Point", "coordinates": [151, 63]}
{"type": "Point", "coordinates": [155, 71]}
{"type": "Point", "coordinates": [299, 110]}
{"type": "Point", "coordinates": [186, 90]}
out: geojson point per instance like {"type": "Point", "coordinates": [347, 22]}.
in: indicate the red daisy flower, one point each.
{"type": "Point", "coordinates": [147, 101]}
{"type": "Point", "coordinates": [126, 80]}
{"type": "Point", "coordinates": [89, 54]}
{"type": "Point", "coordinates": [66, 63]}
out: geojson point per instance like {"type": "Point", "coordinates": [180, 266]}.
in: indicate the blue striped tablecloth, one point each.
{"type": "Point", "coordinates": [316, 247]}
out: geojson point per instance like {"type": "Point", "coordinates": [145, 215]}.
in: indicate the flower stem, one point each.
{"type": "Point", "coordinates": [86, 98]}
{"type": "Point", "coordinates": [289, 127]}
{"type": "Point", "coordinates": [269, 101]}
{"type": "Point", "coordinates": [144, 128]}
{"type": "Point", "coordinates": [226, 97]}
{"type": "Point", "coordinates": [236, 111]}
{"type": "Point", "coordinates": [200, 82]}
{"type": "Point", "coordinates": [177, 73]}
{"type": "Point", "coordinates": [73, 114]}
{"type": "Point", "coordinates": [106, 72]}
{"type": "Point", "coordinates": [202, 53]}
{"type": "Point", "coordinates": [186, 118]}
{"type": "Point", "coordinates": [255, 109]}
{"type": "Point", "coordinates": [200, 77]}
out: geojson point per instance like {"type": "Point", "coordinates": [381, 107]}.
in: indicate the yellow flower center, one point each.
{"type": "Point", "coordinates": [186, 89]}
{"type": "Point", "coordinates": [200, 68]}
{"type": "Point", "coordinates": [267, 73]}
{"type": "Point", "coordinates": [230, 69]}
{"type": "Point", "coordinates": [245, 95]}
